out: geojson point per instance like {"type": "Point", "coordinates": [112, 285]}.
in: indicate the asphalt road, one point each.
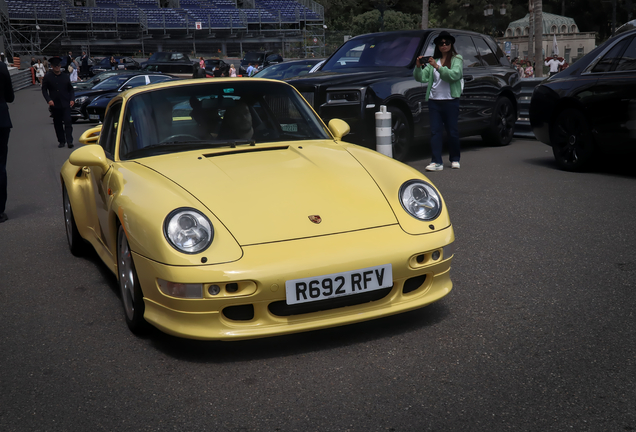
{"type": "Point", "coordinates": [538, 333]}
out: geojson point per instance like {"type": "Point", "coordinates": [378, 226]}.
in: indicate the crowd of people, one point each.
{"type": "Point", "coordinates": [526, 68]}
{"type": "Point", "coordinates": [77, 68]}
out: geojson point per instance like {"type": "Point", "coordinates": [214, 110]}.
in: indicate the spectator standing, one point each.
{"type": "Point", "coordinates": [69, 62]}
{"type": "Point", "coordinates": [554, 64]}
{"type": "Point", "coordinates": [113, 63]}
{"type": "Point", "coordinates": [444, 74]}
{"type": "Point", "coordinates": [232, 71]}
{"type": "Point", "coordinates": [84, 65]}
{"type": "Point", "coordinates": [33, 62]}
{"type": "Point", "coordinates": [6, 95]}
{"type": "Point", "coordinates": [249, 70]}
{"type": "Point", "coordinates": [201, 63]}
{"type": "Point", "coordinates": [73, 74]}
{"type": "Point", "coordinates": [40, 71]}
{"type": "Point", "coordinates": [59, 94]}
{"type": "Point", "coordinates": [529, 72]}
{"type": "Point", "coordinates": [254, 70]}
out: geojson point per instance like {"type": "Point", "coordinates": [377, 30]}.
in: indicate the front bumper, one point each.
{"type": "Point", "coordinates": [259, 309]}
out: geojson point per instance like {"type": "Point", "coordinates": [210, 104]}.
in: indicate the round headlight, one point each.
{"type": "Point", "coordinates": [420, 200]}
{"type": "Point", "coordinates": [188, 230]}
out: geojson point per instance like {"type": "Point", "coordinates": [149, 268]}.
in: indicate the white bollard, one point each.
{"type": "Point", "coordinates": [383, 142]}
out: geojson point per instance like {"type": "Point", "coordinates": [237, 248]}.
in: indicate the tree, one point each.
{"type": "Point", "coordinates": [424, 14]}
{"type": "Point", "coordinates": [369, 22]}
{"type": "Point", "coordinates": [538, 38]}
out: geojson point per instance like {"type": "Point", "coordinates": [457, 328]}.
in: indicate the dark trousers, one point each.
{"type": "Point", "coordinates": [63, 125]}
{"type": "Point", "coordinates": [444, 114]}
{"type": "Point", "coordinates": [4, 150]}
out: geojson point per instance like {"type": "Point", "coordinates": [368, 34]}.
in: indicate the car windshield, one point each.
{"type": "Point", "coordinates": [287, 70]}
{"type": "Point", "coordinates": [254, 57]}
{"type": "Point", "coordinates": [396, 50]}
{"type": "Point", "coordinates": [112, 83]}
{"type": "Point", "coordinates": [211, 115]}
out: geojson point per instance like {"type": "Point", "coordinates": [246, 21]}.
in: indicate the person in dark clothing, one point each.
{"type": "Point", "coordinates": [84, 65]}
{"type": "Point", "coordinates": [69, 61]}
{"type": "Point", "coordinates": [59, 94]}
{"type": "Point", "coordinates": [197, 71]}
{"type": "Point", "coordinates": [6, 95]}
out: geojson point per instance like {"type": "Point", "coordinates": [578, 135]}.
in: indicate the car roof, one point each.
{"type": "Point", "coordinates": [420, 32]}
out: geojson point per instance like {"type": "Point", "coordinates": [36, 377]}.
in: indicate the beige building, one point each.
{"type": "Point", "coordinates": [572, 43]}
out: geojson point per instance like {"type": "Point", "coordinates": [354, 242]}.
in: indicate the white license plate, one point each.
{"type": "Point", "coordinates": [338, 284]}
{"type": "Point", "coordinates": [93, 116]}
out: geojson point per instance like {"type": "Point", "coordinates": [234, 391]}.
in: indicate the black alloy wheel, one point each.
{"type": "Point", "coordinates": [130, 290]}
{"type": "Point", "coordinates": [502, 123]}
{"type": "Point", "coordinates": [571, 140]}
{"type": "Point", "coordinates": [401, 135]}
{"type": "Point", "coordinates": [76, 243]}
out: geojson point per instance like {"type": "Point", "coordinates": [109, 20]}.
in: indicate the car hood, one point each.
{"type": "Point", "coordinates": [92, 92]}
{"type": "Point", "coordinates": [268, 193]}
{"type": "Point", "coordinates": [350, 76]}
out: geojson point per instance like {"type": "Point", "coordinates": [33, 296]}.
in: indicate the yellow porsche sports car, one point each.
{"type": "Point", "coordinates": [228, 211]}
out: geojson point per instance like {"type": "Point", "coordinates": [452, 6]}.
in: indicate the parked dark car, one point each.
{"type": "Point", "coordinates": [129, 63]}
{"type": "Point", "coordinates": [589, 109]}
{"type": "Point", "coordinates": [169, 62]}
{"type": "Point", "coordinates": [263, 59]}
{"type": "Point", "coordinates": [96, 79]}
{"type": "Point", "coordinates": [288, 69]}
{"type": "Point", "coordinates": [108, 88]}
{"type": "Point", "coordinates": [210, 64]}
{"type": "Point", "coordinates": [377, 69]}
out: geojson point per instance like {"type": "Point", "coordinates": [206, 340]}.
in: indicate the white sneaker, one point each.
{"type": "Point", "coordinates": [434, 167]}
{"type": "Point", "coordinates": [455, 165]}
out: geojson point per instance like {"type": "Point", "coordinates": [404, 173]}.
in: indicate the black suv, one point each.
{"type": "Point", "coordinates": [169, 62]}
{"type": "Point", "coordinates": [377, 69]}
{"type": "Point", "coordinates": [263, 59]}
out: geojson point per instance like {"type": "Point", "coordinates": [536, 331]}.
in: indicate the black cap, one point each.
{"type": "Point", "coordinates": [444, 35]}
{"type": "Point", "coordinates": [55, 61]}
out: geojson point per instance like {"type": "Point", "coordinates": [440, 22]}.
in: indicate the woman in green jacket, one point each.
{"type": "Point", "coordinates": [443, 72]}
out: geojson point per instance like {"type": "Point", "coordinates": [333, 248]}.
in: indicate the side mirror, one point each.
{"type": "Point", "coordinates": [91, 155]}
{"type": "Point", "coordinates": [339, 128]}
{"type": "Point", "coordinates": [91, 136]}
{"type": "Point", "coordinates": [126, 87]}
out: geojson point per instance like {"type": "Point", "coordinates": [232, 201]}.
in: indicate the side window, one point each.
{"type": "Point", "coordinates": [499, 54]}
{"type": "Point", "coordinates": [108, 136]}
{"type": "Point", "coordinates": [611, 57]}
{"type": "Point", "coordinates": [628, 60]}
{"type": "Point", "coordinates": [465, 46]}
{"type": "Point", "coordinates": [158, 78]}
{"type": "Point", "coordinates": [137, 81]}
{"type": "Point", "coordinates": [486, 54]}
{"type": "Point", "coordinates": [429, 49]}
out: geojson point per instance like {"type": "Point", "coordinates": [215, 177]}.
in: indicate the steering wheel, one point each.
{"type": "Point", "coordinates": [185, 137]}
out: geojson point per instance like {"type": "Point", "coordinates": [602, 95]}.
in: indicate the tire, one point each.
{"type": "Point", "coordinates": [131, 295]}
{"type": "Point", "coordinates": [401, 134]}
{"type": "Point", "coordinates": [502, 123]}
{"type": "Point", "coordinates": [76, 243]}
{"type": "Point", "coordinates": [571, 139]}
